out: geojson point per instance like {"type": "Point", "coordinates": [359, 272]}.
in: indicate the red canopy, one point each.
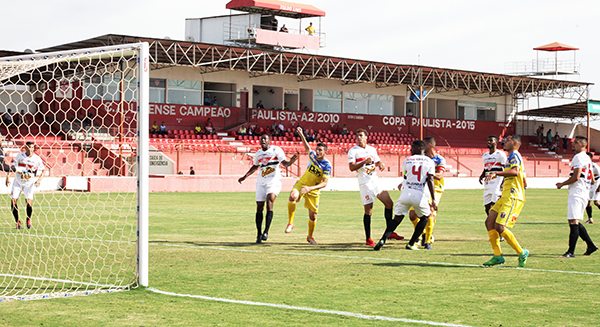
{"type": "Point", "coordinates": [276, 7]}
{"type": "Point", "coordinates": [555, 46]}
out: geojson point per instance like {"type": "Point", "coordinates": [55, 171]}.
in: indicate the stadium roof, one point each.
{"type": "Point", "coordinates": [9, 53]}
{"type": "Point", "coordinates": [276, 7]}
{"type": "Point", "coordinates": [555, 46]}
{"type": "Point", "coordinates": [566, 111]}
{"type": "Point", "coordinates": [257, 62]}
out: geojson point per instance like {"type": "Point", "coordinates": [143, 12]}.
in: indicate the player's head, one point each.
{"type": "Point", "coordinates": [29, 147]}
{"type": "Point", "coordinates": [265, 141]}
{"type": "Point", "coordinates": [321, 150]}
{"type": "Point", "coordinates": [580, 143]}
{"type": "Point", "coordinates": [492, 142]}
{"type": "Point", "coordinates": [429, 145]}
{"type": "Point", "coordinates": [417, 147]}
{"type": "Point", "coordinates": [361, 137]}
{"type": "Point", "coordinates": [512, 143]}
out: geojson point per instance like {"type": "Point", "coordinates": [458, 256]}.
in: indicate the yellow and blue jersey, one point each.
{"type": "Point", "coordinates": [315, 171]}
{"type": "Point", "coordinates": [440, 167]}
{"type": "Point", "coordinates": [514, 186]}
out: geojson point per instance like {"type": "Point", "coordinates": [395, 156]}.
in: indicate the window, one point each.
{"type": "Point", "coordinates": [219, 94]}
{"type": "Point", "coordinates": [184, 92]}
{"type": "Point", "coordinates": [476, 111]}
{"type": "Point", "coordinates": [371, 104]}
{"type": "Point", "coordinates": [108, 87]}
{"type": "Point", "coordinates": [328, 101]}
{"type": "Point", "coordinates": [157, 90]}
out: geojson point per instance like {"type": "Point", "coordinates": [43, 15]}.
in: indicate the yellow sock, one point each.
{"type": "Point", "coordinates": [512, 241]}
{"type": "Point", "coordinates": [291, 212]}
{"type": "Point", "coordinates": [311, 227]}
{"type": "Point", "coordinates": [495, 242]}
{"type": "Point", "coordinates": [429, 229]}
{"type": "Point", "coordinates": [415, 222]}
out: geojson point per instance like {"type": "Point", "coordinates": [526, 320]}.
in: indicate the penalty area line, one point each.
{"type": "Point", "coordinates": [307, 309]}
{"type": "Point", "coordinates": [357, 257]}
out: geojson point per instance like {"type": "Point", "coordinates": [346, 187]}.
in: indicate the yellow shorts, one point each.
{"type": "Point", "coordinates": [508, 211]}
{"type": "Point", "coordinates": [311, 199]}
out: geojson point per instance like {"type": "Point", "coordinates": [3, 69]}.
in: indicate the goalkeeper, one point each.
{"type": "Point", "coordinates": [28, 167]}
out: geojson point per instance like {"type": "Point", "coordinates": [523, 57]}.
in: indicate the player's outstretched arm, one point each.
{"type": "Point", "coordinates": [431, 192]}
{"type": "Point", "coordinates": [306, 189]}
{"type": "Point", "coordinates": [248, 173]}
{"type": "Point", "coordinates": [287, 163]}
{"type": "Point", "coordinates": [572, 179]}
{"type": "Point", "coordinates": [303, 138]}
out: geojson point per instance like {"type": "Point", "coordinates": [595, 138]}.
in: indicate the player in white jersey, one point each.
{"type": "Point", "coordinates": [579, 191]}
{"type": "Point", "coordinates": [268, 184]}
{"type": "Point", "coordinates": [417, 192]}
{"type": "Point", "coordinates": [594, 194]}
{"type": "Point", "coordinates": [493, 161]}
{"type": "Point", "coordinates": [28, 167]}
{"type": "Point", "coordinates": [364, 159]}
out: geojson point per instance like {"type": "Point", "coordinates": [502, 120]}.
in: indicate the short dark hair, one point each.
{"type": "Point", "coordinates": [322, 145]}
{"type": "Point", "coordinates": [579, 137]}
{"type": "Point", "coordinates": [591, 155]}
{"type": "Point", "coordinates": [429, 140]}
{"type": "Point", "coordinates": [417, 147]}
{"type": "Point", "coordinates": [362, 130]}
{"type": "Point", "coordinates": [493, 137]}
{"type": "Point", "coordinates": [516, 138]}
{"type": "Point", "coordinates": [28, 143]}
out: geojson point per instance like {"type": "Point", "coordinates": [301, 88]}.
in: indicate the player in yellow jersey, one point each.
{"type": "Point", "coordinates": [309, 185]}
{"type": "Point", "coordinates": [504, 213]}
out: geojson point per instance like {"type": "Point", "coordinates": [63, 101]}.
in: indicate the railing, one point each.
{"type": "Point", "coordinates": [546, 66]}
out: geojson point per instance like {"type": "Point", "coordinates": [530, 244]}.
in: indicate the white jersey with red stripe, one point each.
{"type": "Point", "coordinates": [27, 167]}
{"type": "Point", "coordinates": [416, 169]}
{"type": "Point", "coordinates": [581, 187]}
{"type": "Point", "coordinates": [493, 162]}
{"type": "Point", "coordinates": [358, 154]}
{"type": "Point", "coordinates": [268, 162]}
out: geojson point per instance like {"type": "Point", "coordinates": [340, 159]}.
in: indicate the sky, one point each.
{"type": "Point", "coordinates": [460, 34]}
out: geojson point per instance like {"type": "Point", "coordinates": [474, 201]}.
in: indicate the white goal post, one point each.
{"type": "Point", "coordinates": [86, 113]}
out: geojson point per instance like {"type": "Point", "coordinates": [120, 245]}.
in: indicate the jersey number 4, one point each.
{"type": "Point", "coordinates": [417, 171]}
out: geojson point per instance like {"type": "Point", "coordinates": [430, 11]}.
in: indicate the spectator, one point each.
{"type": "Point", "coordinates": [565, 143]}
{"type": "Point", "coordinates": [180, 173]}
{"type": "Point", "coordinates": [251, 130]}
{"type": "Point", "coordinates": [162, 129]}
{"type": "Point", "coordinates": [549, 137]}
{"type": "Point", "coordinates": [214, 101]}
{"type": "Point", "coordinates": [192, 172]}
{"type": "Point", "coordinates": [310, 29]}
{"type": "Point", "coordinates": [285, 106]}
{"type": "Point", "coordinates": [540, 134]}
{"type": "Point", "coordinates": [274, 24]}
{"type": "Point", "coordinates": [260, 105]}
{"type": "Point", "coordinates": [7, 117]}
{"type": "Point", "coordinates": [209, 127]}
{"type": "Point", "coordinates": [275, 129]}
{"type": "Point", "coordinates": [310, 135]}
{"type": "Point", "coordinates": [153, 129]}
{"type": "Point", "coordinates": [198, 129]}
{"type": "Point", "coordinates": [305, 108]}
{"type": "Point", "coordinates": [283, 29]}
{"type": "Point", "coordinates": [281, 128]}
{"type": "Point", "coordinates": [344, 130]}
{"type": "Point", "coordinates": [18, 118]}
{"type": "Point", "coordinates": [242, 130]}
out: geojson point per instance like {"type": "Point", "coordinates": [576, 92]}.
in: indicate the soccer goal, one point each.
{"type": "Point", "coordinates": [84, 112]}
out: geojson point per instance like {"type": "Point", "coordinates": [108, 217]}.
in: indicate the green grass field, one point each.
{"type": "Point", "coordinates": [203, 244]}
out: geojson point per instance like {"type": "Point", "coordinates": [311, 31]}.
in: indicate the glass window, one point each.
{"type": "Point", "coordinates": [184, 92]}
{"type": "Point", "coordinates": [380, 104]}
{"type": "Point", "coordinates": [157, 90]}
{"type": "Point", "coordinates": [219, 94]}
{"type": "Point", "coordinates": [327, 101]}
{"type": "Point", "coordinates": [476, 111]}
{"type": "Point", "coordinates": [365, 103]}
{"type": "Point", "coordinates": [108, 87]}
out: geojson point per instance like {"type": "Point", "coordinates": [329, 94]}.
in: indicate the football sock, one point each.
{"type": "Point", "coordinates": [585, 236]}
{"type": "Point", "coordinates": [311, 227]}
{"type": "Point", "coordinates": [391, 227]}
{"type": "Point", "coordinates": [512, 240]}
{"type": "Point", "coordinates": [418, 230]}
{"type": "Point", "coordinates": [388, 213]}
{"type": "Point", "coordinates": [29, 211]}
{"type": "Point", "coordinates": [573, 236]}
{"type": "Point", "coordinates": [588, 210]}
{"type": "Point", "coordinates": [268, 220]}
{"type": "Point", "coordinates": [415, 222]}
{"type": "Point", "coordinates": [429, 228]}
{"type": "Point", "coordinates": [258, 219]}
{"type": "Point", "coordinates": [367, 225]}
{"type": "Point", "coordinates": [291, 212]}
{"type": "Point", "coordinates": [15, 211]}
{"type": "Point", "coordinates": [495, 242]}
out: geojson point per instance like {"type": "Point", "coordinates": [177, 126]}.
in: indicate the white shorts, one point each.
{"type": "Point", "coordinates": [416, 201]}
{"type": "Point", "coordinates": [369, 192]}
{"type": "Point", "coordinates": [576, 208]}
{"type": "Point", "coordinates": [490, 198]}
{"type": "Point", "coordinates": [263, 189]}
{"type": "Point", "coordinates": [18, 188]}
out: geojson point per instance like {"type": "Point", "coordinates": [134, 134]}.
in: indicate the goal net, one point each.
{"type": "Point", "coordinates": [85, 112]}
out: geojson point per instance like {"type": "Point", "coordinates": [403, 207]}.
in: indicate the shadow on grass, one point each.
{"type": "Point", "coordinates": [425, 264]}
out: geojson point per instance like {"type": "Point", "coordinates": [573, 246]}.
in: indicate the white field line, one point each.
{"type": "Point", "coordinates": [55, 295]}
{"type": "Point", "coordinates": [355, 257]}
{"type": "Point", "coordinates": [308, 309]}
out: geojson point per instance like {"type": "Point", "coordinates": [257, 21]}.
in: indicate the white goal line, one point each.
{"type": "Point", "coordinates": [307, 309]}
